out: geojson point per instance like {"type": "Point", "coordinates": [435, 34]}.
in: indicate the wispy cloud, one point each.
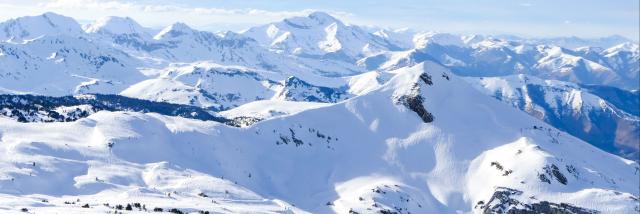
{"type": "Point", "coordinates": [121, 6]}
{"type": "Point", "coordinates": [526, 4]}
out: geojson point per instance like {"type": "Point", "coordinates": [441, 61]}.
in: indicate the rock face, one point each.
{"type": "Point", "coordinates": [413, 99]}
{"type": "Point", "coordinates": [415, 104]}
{"type": "Point", "coordinates": [503, 201]}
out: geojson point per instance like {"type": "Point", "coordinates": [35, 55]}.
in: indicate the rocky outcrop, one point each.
{"type": "Point", "coordinates": [504, 200]}
{"type": "Point", "coordinates": [413, 100]}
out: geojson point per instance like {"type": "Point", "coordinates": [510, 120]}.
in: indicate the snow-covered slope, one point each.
{"type": "Point", "coordinates": [267, 109]}
{"type": "Point", "coordinates": [571, 108]}
{"type": "Point", "coordinates": [216, 86]}
{"type": "Point", "coordinates": [407, 146]}
{"type": "Point", "coordinates": [63, 65]}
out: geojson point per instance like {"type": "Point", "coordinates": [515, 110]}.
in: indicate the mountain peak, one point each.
{"type": "Point", "coordinates": [174, 30]}
{"type": "Point", "coordinates": [180, 27]}
{"type": "Point", "coordinates": [322, 17]}
{"type": "Point", "coordinates": [421, 40]}
{"type": "Point", "coordinates": [30, 27]}
{"type": "Point", "coordinates": [310, 21]}
{"type": "Point", "coordinates": [116, 25]}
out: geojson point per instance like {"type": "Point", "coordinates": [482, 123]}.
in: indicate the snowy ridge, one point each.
{"type": "Point", "coordinates": [213, 86]}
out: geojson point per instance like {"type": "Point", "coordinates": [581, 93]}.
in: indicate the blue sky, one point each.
{"type": "Point", "coordinates": [531, 18]}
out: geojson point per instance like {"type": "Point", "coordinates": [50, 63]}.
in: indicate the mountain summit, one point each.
{"type": "Point", "coordinates": [318, 35]}
{"type": "Point", "coordinates": [113, 25]}
{"type": "Point", "coordinates": [31, 27]}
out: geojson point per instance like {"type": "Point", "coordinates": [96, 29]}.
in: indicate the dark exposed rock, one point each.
{"type": "Point", "coordinates": [552, 208]}
{"type": "Point", "coordinates": [284, 139]}
{"type": "Point", "coordinates": [176, 211]}
{"type": "Point", "coordinates": [544, 178]}
{"type": "Point", "coordinates": [243, 121]}
{"type": "Point", "coordinates": [503, 201]}
{"type": "Point", "coordinates": [426, 78]}
{"type": "Point", "coordinates": [445, 75]}
{"type": "Point", "coordinates": [414, 101]}
{"type": "Point", "coordinates": [497, 165]}
{"type": "Point", "coordinates": [295, 140]}
{"type": "Point", "coordinates": [553, 171]}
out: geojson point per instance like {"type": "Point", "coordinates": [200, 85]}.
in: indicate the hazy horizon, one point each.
{"type": "Point", "coordinates": [527, 19]}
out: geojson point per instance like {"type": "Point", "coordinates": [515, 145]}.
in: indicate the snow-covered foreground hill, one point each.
{"type": "Point", "coordinates": [424, 142]}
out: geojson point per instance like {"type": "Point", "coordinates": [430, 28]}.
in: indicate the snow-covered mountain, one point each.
{"type": "Point", "coordinates": [32, 27]}
{"type": "Point", "coordinates": [119, 26]}
{"type": "Point", "coordinates": [50, 55]}
{"type": "Point", "coordinates": [571, 108]}
{"type": "Point", "coordinates": [311, 115]}
{"type": "Point", "coordinates": [616, 66]}
{"type": "Point", "coordinates": [319, 36]}
{"type": "Point", "coordinates": [407, 146]}
{"type": "Point", "coordinates": [576, 42]}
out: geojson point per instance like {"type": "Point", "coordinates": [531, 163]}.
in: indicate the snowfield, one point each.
{"type": "Point", "coordinates": [376, 152]}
